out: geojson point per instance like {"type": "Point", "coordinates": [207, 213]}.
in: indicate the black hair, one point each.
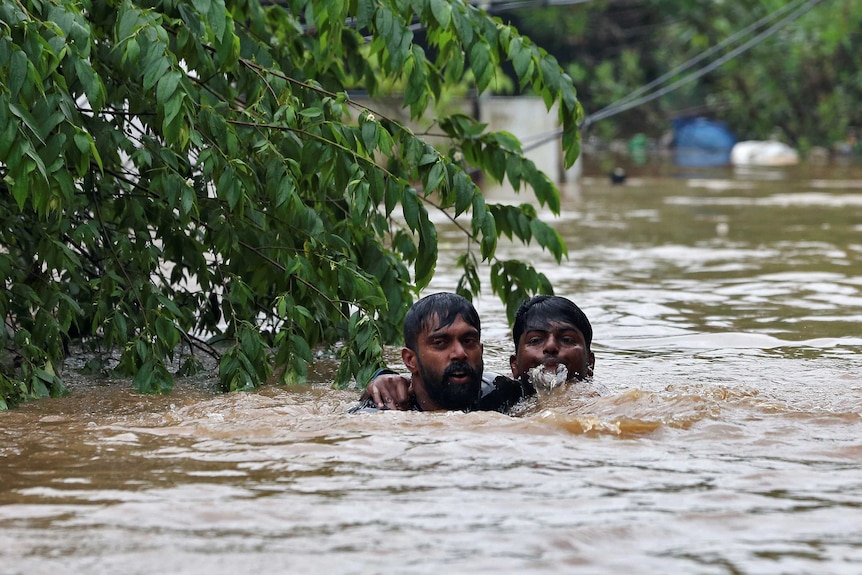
{"type": "Point", "coordinates": [444, 306]}
{"type": "Point", "coordinates": [548, 308]}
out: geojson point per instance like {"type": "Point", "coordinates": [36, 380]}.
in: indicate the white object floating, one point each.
{"type": "Point", "coordinates": [544, 379]}
{"type": "Point", "coordinates": [763, 153]}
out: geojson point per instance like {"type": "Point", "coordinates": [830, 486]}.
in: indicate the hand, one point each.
{"type": "Point", "coordinates": [506, 393]}
{"type": "Point", "coordinates": [390, 390]}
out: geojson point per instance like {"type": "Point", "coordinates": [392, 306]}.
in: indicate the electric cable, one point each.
{"type": "Point", "coordinates": [629, 103]}
{"type": "Point", "coordinates": [702, 56]}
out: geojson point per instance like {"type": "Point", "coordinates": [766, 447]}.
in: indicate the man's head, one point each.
{"type": "Point", "coordinates": [552, 330]}
{"type": "Point", "coordinates": [443, 351]}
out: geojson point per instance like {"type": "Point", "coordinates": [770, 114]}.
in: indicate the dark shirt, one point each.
{"type": "Point", "coordinates": [367, 405]}
{"type": "Point", "coordinates": [498, 393]}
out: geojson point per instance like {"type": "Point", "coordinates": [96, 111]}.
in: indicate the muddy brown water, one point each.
{"type": "Point", "coordinates": [726, 308]}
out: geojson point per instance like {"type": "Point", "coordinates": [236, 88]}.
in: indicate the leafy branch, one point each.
{"type": "Point", "coordinates": [177, 170]}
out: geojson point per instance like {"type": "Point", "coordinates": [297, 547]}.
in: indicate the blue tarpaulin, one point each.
{"type": "Point", "coordinates": [701, 142]}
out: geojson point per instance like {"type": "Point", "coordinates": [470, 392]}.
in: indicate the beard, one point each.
{"type": "Point", "coordinates": [453, 395]}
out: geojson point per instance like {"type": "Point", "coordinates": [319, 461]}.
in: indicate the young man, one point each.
{"type": "Point", "coordinates": [549, 331]}
{"type": "Point", "coordinates": [443, 352]}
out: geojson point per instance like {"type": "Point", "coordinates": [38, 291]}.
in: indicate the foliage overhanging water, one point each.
{"type": "Point", "coordinates": [725, 308]}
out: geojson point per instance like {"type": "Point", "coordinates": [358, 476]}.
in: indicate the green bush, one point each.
{"type": "Point", "coordinates": [176, 171]}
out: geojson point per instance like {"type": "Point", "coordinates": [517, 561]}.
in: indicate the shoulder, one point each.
{"type": "Point", "coordinates": [367, 405]}
{"type": "Point", "coordinates": [499, 393]}
{"type": "Point", "coordinates": [488, 378]}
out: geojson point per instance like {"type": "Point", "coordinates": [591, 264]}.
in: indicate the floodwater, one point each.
{"type": "Point", "coordinates": [726, 308]}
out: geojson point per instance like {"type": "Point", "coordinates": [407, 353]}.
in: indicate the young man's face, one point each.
{"type": "Point", "coordinates": [449, 363]}
{"type": "Point", "coordinates": [549, 344]}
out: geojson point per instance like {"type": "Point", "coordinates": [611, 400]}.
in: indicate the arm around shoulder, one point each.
{"type": "Point", "coordinates": [389, 390]}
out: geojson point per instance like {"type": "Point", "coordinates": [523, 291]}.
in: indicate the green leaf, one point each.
{"type": "Point", "coordinates": [143, 381]}
{"type": "Point", "coordinates": [463, 26]}
{"type": "Point", "coordinates": [37, 383]}
{"type": "Point", "coordinates": [384, 22]}
{"type": "Point", "coordinates": [27, 118]}
{"type": "Point", "coordinates": [522, 62]}
{"type": "Point", "coordinates": [572, 145]}
{"type": "Point", "coordinates": [172, 108]}
{"type": "Point", "coordinates": [417, 83]}
{"type": "Point", "coordinates": [129, 21]}
{"type": "Point", "coordinates": [464, 192]}
{"type": "Point", "coordinates": [167, 332]}
{"type": "Point", "coordinates": [393, 194]}
{"type": "Point", "coordinates": [187, 200]}
{"type": "Point", "coordinates": [228, 46]}
{"type": "Point", "coordinates": [154, 72]}
{"type": "Point", "coordinates": [370, 131]}
{"type": "Point", "coordinates": [229, 189]}
{"type": "Point", "coordinates": [7, 138]}
{"type": "Point", "coordinates": [38, 163]}
{"type": "Point", "coordinates": [166, 87]}
{"type": "Point", "coordinates": [568, 96]}
{"type": "Point", "coordinates": [364, 13]}
{"type": "Point", "coordinates": [202, 6]}
{"type": "Point", "coordinates": [411, 208]}
{"type": "Point", "coordinates": [17, 72]}
{"type": "Point", "coordinates": [442, 11]}
{"type": "Point", "coordinates": [300, 347]}
{"type": "Point", "coordinates": [131, 53]}
{"type": "Point", "coordinates": [548, 238]}
{"type": "Point", "coordinates": [92, 84]}
{"type": "Point", "coordinates": [551, 73]}
{"type": "Point", "coordinates": [546, 192]}
{"type": "Point", "coordinates": [427, 255]}
{"type": "Point", "coordinates": [480, 62]}
{"type": "Point", "coordinates": [216, 16]}
{"type": "Point", "coordinates": [311, 112]}
{"type": "Point", "coordinates": [489, 236]}
{"type": "Point", "coordinates": [455, 67]}
{"type": "Point", "coordinates": [435, 176]}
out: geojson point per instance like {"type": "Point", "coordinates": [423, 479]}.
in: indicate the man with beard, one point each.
{"type": "Point", "coordinates": [552, 339]}
{"type": "Point", "coordinates": [443, 352]}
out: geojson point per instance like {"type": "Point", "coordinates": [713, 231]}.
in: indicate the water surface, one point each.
{"type": "Point", "coordinates": [725, 307]}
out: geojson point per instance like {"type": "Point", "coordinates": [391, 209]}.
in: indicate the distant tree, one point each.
{"type": "Point", "coordinates": [801, 81]}
{"type": "Point", "coordinates": [176, 170]}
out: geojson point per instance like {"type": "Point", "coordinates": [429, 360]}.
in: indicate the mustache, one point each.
{"type": "Point", "coordinates": [460, 367]}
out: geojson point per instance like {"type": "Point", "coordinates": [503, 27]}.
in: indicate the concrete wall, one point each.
{"type": "Point", "coordinates": [525, 117]}
{"type": "Point", "coordinates": [533, 125]}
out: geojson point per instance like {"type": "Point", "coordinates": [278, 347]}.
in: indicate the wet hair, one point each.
{"type": "Point", "coordinates": [543, 309]}
{"type": "Point", "coordinates": [445, 307]}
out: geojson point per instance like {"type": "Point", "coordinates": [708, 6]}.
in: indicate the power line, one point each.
{"type": "Point", "coordinates": [504, 6]}
{"type": "Point", "coordinates": [636, 98]}
{"type": "Point", "coordinates": [632, 100]}
{"type": "Point", "coordinates": [702, 56]}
